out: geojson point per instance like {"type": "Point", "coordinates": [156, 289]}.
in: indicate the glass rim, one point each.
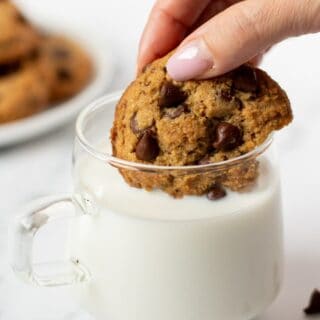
{"type": "Point", "coordinates": [118, 162]}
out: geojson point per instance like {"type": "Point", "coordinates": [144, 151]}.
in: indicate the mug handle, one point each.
{"type": "Point", "coordinates": [22, 240]}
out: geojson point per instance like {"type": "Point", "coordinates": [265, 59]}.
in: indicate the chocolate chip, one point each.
{"type": "Point", "coordinates": [217, 192]}
{"type": "Point", "coordinates": [173, 113]}
{"type": "Point", "coordinates": [238, 103]}
{"type": "Point", "coordinates": [64, 74]}
{"type": "Point", "coordinates": [134, 125]}
{"type": "Point", "coordinates": [147, 148]}
{"type": "Point", "coordinates": [60, 53]}
{"type": "Point", "coordinates": [171, 96]}
{"type": "Point", "coordinates": [227, 137]}
{"type": "Point", "coordinates": [226, 95]}
{"type": "Point", "coordinates": [314, 304]}
{"type": "Point", "coordinates": [6, 69]}
{"type": "Point", "coordinates": [245, 79]}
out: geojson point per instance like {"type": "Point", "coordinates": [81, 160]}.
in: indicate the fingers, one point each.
{"type": "Point", "coordinates": [213, 8]}
{"type": "Point", "coordinates": [167, 26]}
{"type": "Point", "coordinates": [238, 34]}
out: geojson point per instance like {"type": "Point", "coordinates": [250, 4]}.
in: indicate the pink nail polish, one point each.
{"type": "Point", "coordinates": [190, 62]}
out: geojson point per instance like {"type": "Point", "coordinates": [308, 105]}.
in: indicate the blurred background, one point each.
{"type": "Point", "coordinates": [117, 23]}
{"type": "Point", "coordinates": [43, 166]}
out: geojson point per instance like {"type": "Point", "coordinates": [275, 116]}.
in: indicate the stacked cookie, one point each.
{"type": "Point", "coordinates": [36, 69]}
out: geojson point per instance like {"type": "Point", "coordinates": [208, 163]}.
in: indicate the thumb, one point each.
{"type": "Point", "coordinates": [239, 33]}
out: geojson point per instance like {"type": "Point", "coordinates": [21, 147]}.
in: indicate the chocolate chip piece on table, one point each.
{"type": "Point", "coordinates": [171, 96]}
{"type": "Point", "coordinates": [314, 304]}
{"type": "Point", "coordinates": [173, 113]}
{"type": "Point", "coordinates": [245, 79]}
{"type": "Point", "coordinates": [227, 136]}
{"type": "Point", "coordinates": [147, 148]}
{"type": "Point", "coordinates": [216, 193]}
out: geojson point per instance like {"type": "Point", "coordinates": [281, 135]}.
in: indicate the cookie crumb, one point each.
{"type": "Point", "coordinates": [217, 192]}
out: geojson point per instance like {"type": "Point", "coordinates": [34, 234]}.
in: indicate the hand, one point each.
{"type": "Point", "coordinates": [219, 35]}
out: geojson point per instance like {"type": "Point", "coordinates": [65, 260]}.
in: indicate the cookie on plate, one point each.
{"type": "Point", "coordinates": [23, 91]}
{"type": "Point", "coordinates": [69, 64]}
{"type": "Point", "coordinates": [18, 38]}
{"type": "Point", "coordinates": [163, 122]}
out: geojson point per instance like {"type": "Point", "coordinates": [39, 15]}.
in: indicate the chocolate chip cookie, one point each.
{"type": "Point", "coordinates": [17, 36]}
{"type": "Point", "coordinates": [70, 66]}
{"type": "Point", "coordinates": [164, 122]}
{"type": "Point", "coordinates": [24, 91]}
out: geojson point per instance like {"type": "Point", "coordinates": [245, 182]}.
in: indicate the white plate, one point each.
{"type": "Point", "coordinates": [98, 48]}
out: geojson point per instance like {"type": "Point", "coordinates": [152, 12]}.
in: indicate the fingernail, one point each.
{"type": "Point", "coordinates": [191, 61]}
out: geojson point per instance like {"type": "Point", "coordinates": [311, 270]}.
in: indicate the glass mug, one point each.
{"type": "Point", "coordinates": [144, 255]}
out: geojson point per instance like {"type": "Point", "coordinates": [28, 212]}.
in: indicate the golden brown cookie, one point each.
{"type": "Point", "coordinates": [23, 92]}
{"type": "Point", "coordinates": [17, 36]}
{"type": "Point", "coordinates": [70, 66]}
{"type": "Point", "coordinates": [164, 122]}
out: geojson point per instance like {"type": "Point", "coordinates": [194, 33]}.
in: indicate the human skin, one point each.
{"type": "Point", "coordinates": [216, 36]}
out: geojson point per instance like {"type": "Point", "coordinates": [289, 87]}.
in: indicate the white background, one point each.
{"type": "Point", "coordinates": [42, 166]}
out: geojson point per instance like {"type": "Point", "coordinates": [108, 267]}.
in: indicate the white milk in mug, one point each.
{"type": "Point", "coordinates": [156, 257]}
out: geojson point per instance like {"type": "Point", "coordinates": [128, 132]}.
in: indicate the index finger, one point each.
{"type": "Point", "coordinates": [168, 24]}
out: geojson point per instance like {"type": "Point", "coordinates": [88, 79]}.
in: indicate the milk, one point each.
{"type": "Point", "coordinates": [155, 257]}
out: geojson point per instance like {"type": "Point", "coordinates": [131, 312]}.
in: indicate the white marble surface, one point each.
{"type": "Point", "coordinates": [42, 166]}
